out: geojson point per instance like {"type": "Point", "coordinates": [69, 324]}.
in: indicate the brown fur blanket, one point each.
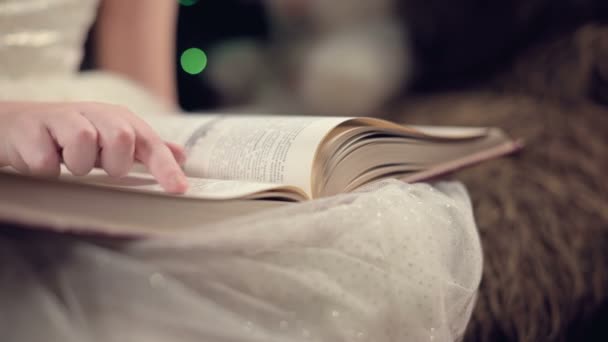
{"type": "Point", "coordinates": [542, 214]}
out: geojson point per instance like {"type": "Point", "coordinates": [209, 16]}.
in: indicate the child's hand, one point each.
{"type": "Point", "coordinates": [35, 138]}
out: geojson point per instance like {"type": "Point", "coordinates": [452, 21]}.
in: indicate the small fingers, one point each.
{"type": "Point", "coordinates": [33, 150]}
{"type": "Point", "coordinates": [130, 139]}
{"type": "Point", "coordinates": [178, 152]}
{"type": "Point", "coordinates": [86, 135]}
{"type": "Point", "coordinates": [118, 150]}
{"type": "Point", "coordinates": [15, 160]}
{"type": "Point", "coordinates": [161, 163]}
{"type": "Point", "coordinates": [78, 139]}
{"type": "Point", "coordinates": [116, 140]}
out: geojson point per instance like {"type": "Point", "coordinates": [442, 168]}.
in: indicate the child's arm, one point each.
{"type": "Point", "coordinates": [35, 138]}
{"type": "Point", "coordinates": [136, 38]}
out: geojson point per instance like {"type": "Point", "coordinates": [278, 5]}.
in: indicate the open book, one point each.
{"type": "Point", "coordinates": [241, 164]}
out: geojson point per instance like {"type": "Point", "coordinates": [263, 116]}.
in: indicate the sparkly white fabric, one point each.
{"type": "Point", "coordinates": [41, 50]}
{"type": "Point", "coordinates": [396, 263]}
{"type": "Point", "coordinates": [41, 37]}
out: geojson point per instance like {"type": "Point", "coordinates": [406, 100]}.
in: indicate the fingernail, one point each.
{"type": "Point", "coordinates": [178, 183]}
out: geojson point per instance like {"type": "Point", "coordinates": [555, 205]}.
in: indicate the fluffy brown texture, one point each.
{"type": "Point", "coordinates": [542, 214]}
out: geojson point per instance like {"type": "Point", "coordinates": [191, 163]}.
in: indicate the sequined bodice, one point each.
{"type": "Point", "coordinates": [39, 37]}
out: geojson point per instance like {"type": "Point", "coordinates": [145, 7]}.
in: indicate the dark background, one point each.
{"type": "Point", "coordinates": [203, 25]}
{"type": "Point", "coordinates": [455, 44]}
{"type": "Point", "coordinates": [206, 24]}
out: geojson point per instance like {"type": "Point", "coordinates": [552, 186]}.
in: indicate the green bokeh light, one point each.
{"type": "Point", "coordinates": [193, 61]}
{"type": "Point", "coordinates": [187, 2]}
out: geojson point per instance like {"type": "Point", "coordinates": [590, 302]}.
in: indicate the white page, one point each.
{"type": "Point", "coordinates": [452, 132]}
{"type": "Point", "coordinates": [199, 188]}
{"type": "Point", "coordinates": [266, 149]}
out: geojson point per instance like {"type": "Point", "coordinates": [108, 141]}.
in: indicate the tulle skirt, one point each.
{"type": "Point", "coordinates": [393, 262]}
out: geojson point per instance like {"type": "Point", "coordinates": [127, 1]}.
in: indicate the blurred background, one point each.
{"type": "Point", "coordinates": [210, 25]}
{"type": "Point", "coordinates": [304, 57]}
{"type": "Point", "coordinates": [278, 56]}
{"type": "Point", "coordinates": [357, 57]}
{"type": "Point", "coordinates": [205, 26]}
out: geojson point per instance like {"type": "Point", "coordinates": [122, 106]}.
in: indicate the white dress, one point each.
{"type": "Point", "coordinates": [393, 262]}
{"type": "Point", "coordinates": [40, 53]}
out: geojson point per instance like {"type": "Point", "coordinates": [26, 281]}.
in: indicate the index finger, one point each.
{"type": "Point", "coordinates": [160, 161]}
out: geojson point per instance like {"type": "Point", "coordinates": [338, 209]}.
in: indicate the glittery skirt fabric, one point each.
{"type": "Point", "coordinates": [393, 262]}
{"type": "Point", "coordinates": [41, 37]}
{"type": "Point", "coordinates": [89, 86]}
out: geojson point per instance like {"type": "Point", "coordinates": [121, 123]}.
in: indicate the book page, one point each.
{"type": "Point", "coordinates": [199, 188]}
{"type": "Point", "coordinates": [265, 149]}
{"type": "Point", "coordinates": [452, 132]}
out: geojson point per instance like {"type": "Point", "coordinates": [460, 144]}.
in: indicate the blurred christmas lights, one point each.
{"type": "Point", "coordinates": [193, 61]}
{"type": "Point", "coordinates": [187, 2]}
